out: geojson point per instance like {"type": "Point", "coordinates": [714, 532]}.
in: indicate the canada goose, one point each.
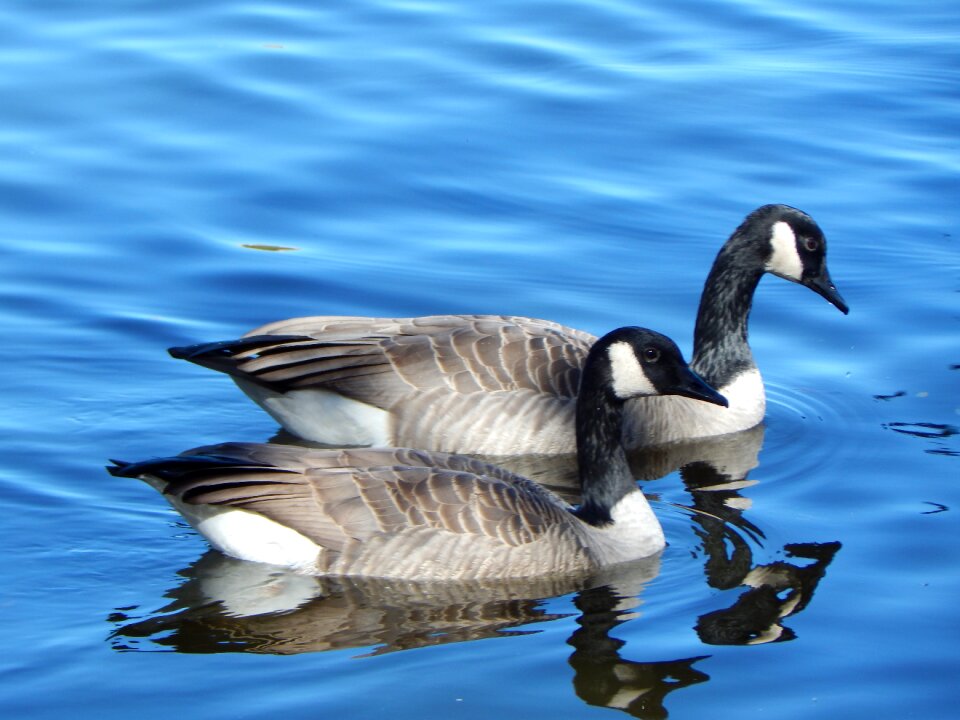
{"type": "Point", "coordinates": [497, 385]}
{"type": "Point", "coordinates": [422, 516]}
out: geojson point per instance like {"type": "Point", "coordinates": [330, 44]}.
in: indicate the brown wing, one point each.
{"type": "Point", "coordinates": [380, 360]}
{"type": "Point", "coordinates": [335, 496]}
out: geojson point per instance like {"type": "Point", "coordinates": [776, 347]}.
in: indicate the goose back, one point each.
{"type": "Point", "coordinates": [455, 383]}
{"type": "Point", "coordinates": [382, 512]}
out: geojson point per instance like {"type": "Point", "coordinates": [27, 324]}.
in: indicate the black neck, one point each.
{"type": "Point", "coordinates": [605, 475]}
{"type": "Point", "coordinates": [720, 348]}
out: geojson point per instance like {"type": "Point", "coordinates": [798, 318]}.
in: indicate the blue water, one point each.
{"type": "Point", "coordinates": [575, 161]}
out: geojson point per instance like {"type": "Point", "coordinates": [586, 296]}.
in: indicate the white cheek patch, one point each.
{"type": "Point", "coordinates": [785, 260]}
{"type": "Point", "coordinates": [629, 379]}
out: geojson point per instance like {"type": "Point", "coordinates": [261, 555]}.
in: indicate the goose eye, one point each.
{"type": "Point", "coordinates": [811, 244]}
{"type": "Point", "coordinates": [651, 355]}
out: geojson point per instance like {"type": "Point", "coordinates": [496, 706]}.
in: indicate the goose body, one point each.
{"type": "Point", "coordinates": [397, 512]}
{"type": "Point", "coordinates": [504, 385]}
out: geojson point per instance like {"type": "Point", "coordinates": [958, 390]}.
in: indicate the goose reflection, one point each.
{"type": "Point", "coordinates": [602, 677]}
{"type": "Point", "coordinates": [228, 605]}
{"type": "Point", "coordinates": [718, 511]}
{"type": "Point", "coordinates": [776, 591]}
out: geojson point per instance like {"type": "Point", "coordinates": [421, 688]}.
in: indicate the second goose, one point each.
{"type": "Point", "coordinates": [497, 385]}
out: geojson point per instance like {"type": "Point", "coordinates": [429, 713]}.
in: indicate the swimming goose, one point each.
{"type": "Point", "coordinates": [428, 516]}
{"type": "Point", "coordinates": [498, 385]}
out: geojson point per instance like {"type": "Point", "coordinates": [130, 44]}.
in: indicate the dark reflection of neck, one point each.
{"type": "Point", "coordinates": [720, 524]}
{"type": "Point", "coordinates": [776, 590]}
{"type": "Point", "coordinates": [603, 678]}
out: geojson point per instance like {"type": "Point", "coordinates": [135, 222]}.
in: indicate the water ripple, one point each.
{"type": "Point", "coordinates": [803, 423]}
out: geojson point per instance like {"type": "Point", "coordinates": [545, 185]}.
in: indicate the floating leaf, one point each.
{"type": "Point", "coordinates": [269, 248]}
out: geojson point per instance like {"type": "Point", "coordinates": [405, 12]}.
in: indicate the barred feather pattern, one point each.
{"type": "Point", "coordinates": [392, 512]}
{"type": "Point", "coordinates": [468, 383]}
{"type": "Point", "coordinates": [462, 353]}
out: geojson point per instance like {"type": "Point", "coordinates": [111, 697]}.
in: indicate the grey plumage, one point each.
{"type": "Point", "coordinates": [368, 509]}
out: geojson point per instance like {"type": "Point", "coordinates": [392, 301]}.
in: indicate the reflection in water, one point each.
{"type": "Point", "coordinates": [940, 432]}
{"type": "Point", "coordinates": [228, 605]}
{"type": "Point", "coordinates": [715, 471]}
{"type": "Point", "coordinates": [602, 677]}
{"type": "Point", "coordinates": [942, 435]}
{"type": "Point", "coordinates": [891, 396]}
{"type": "Point", "coordinates": [777, 589]}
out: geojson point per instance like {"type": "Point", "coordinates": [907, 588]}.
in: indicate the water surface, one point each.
{"type": "Point", "coordinates": [179, 173]}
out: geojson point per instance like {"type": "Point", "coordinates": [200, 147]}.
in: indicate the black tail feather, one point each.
{"type": "Point", "coordinates": [230, 348]}
{"type": "Point", "coordinates": [222, 356]}
{"type": "Point", "coordinates": [180, 466]}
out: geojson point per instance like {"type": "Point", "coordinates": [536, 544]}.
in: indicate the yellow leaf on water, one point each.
{"type": "Point", "coordinates": [269, 248]}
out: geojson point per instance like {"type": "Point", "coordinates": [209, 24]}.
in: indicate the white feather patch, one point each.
{"type": "Point", "coordinates": [785, 260]}
{"type": "Point", "coordinates": [323, 416]}
{"type": "Point", "coordinates": [249, 536]}
{"type": "Point", "coordinates": [634, 533]}
{"type": "Point", "coordinates": [629, 379]}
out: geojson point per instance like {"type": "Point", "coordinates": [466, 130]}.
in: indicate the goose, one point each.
{"type": "Point", "coordinates": [502, 385]}
{"type": "Point", "coordinates": [417, 515]}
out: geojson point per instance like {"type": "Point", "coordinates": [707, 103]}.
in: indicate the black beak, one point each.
{"type": "Point", "coordinates": [693, 386]}
{"type": "Point", "coordinates": [822, 285]}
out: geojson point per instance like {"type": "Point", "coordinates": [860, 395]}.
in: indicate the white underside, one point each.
{"type": "Point", "coordinates": [250, 536]}
{"type": "Point", "coordinates": [323, 416]}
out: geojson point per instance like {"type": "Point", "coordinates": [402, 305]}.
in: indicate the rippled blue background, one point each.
{"type": "Point", "coordinates": [576, 161]}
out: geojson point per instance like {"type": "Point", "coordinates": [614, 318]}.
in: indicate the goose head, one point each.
{"type": "Point", "coordinates": [796, 249]}
{"type": "Point", "coordinates": [635, 362]}
{"type": "Point", "coordinates": [627, 363]}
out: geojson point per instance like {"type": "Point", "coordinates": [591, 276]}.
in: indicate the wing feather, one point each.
{"type": "Point", "coordinates": [380, 360]}
{"type": "Point", "coordinates": [335, 497]}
